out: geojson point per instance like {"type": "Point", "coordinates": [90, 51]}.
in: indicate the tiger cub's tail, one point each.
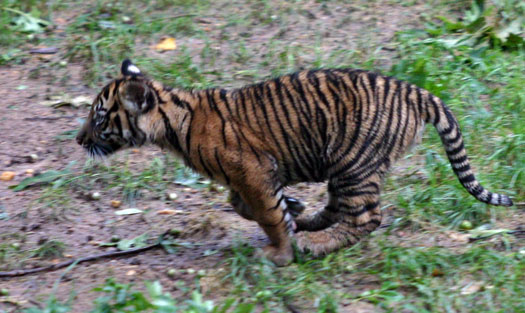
{"type": "Point", "coordinates": [448, 129]}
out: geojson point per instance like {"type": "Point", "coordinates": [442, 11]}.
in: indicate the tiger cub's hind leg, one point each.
{"type": "Point", "coordinates": [359, 214]}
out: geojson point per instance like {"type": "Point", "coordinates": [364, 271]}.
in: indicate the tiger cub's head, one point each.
{"type": "Point", "coordinates": [112, 123]}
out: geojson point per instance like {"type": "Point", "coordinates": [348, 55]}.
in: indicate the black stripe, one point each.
{"type": "Point", "coordinates": [467, 179]}
{"type": "Point", "coordinates": [245, 108]}
{"type": "Point", "coordinates": [363, 209]}
{"type": "Point", "coordinates": [476, 190]}
{"type": "Point", "coordinates": [114, 108]}
{"type": "Point", "coordinates": [118, 123]}
{"type": "Point", "coordinates": [131, 128]}
{"type": "Point", "coordinates": [278, 203]}
{"type": "Point", "coordinates": [105, 93]}
{"type": "Point", "coordinates": [172, 137]}
{"type": "Point", "coordinates": [454, 140]}
{"type": "Point", "coordinates": [419, 100]}
{"type": "Point", "coordinates": [489, 200]}
{"type": "Point", "coordinates": [188, 134]}
{"type": "Point", "coordinates": [461, 169]}
{"type": "Point", "coordinates": [213, 106]}
{"type": "Point", "coordinates": [437, 115]}
{"type": "Point", "coordinates": [201, 159]}
{"type": "Point", "coordinates": [224, 99]}
{"type": "Point", "coordinates": [150, 102]}
{"type": "Point", "coordinates": [456, 150]}
{"type": "Point", "coordinates": [255, 102]}
{"type": "Point", "coordinates": [226, 177]}
{"type": "Point", "coordinates": [157, 95]}
{"type": "Point", "coordinates": [176, 100]}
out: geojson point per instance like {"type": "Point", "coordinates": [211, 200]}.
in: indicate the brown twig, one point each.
{"type": "Point", "coordinates": [54, 267]}
{"type": "Point", "coordinates": [47, 118]}
{"type": "Point", "coordinates": [173, 17]}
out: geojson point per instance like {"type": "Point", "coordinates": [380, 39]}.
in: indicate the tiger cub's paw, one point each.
{"type": "Point", "coordinates": [280, 257]}
{"type": "Point", "coordinates": [316, 243]}
{"type": "Point", "coordinates": [295, 207]}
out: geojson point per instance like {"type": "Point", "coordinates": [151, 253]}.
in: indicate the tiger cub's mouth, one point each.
{"type": "Point", "coordinates": [98, 150]}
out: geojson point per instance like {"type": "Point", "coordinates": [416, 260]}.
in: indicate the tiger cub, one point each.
{"type": "Point", "coordinates": [344, 126]}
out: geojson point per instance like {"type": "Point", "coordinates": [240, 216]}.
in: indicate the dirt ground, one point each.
{"type": "Point", "coordinates": [27, 127]}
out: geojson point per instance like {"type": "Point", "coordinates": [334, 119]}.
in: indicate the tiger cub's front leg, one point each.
{"type": "Point", "coordinates": [267, 206]}
{"type": "Point", "coordinates": [294, 206]}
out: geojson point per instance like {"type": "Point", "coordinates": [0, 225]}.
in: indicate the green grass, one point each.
{"type": "Point", "coordinates": [480, 78]}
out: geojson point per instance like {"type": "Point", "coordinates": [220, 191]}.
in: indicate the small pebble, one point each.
{"type": "Point", "coordinates": [33, 157]}
{"type": "Point", "coordinates": [172, 196]}
{"type": "Point", "coordinates": [95, 195]}
{"type": "Point", "coordinates": [116, 203]}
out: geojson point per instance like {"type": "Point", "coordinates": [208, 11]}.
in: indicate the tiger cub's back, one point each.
{"type": "Point", "coordinates": [320, 122]}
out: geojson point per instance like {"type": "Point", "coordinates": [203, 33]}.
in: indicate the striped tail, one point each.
{"type": "Point", "coordinates": [448, 128]}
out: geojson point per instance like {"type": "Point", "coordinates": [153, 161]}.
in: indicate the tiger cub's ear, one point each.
{"type": "Point", "coordinates": [136, 97]}
{"type": "Point", "coordinates": [129, 69]}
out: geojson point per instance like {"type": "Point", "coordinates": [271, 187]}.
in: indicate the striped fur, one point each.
{"type": "Point", "coordinates": [343, 126]}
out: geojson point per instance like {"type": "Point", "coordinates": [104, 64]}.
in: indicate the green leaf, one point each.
{"type": "Point", "coordinates": [154, 288]}
{"type": "Point", "coordinates": [451, 25]}
{"type": "Point", "coordinates": [514, 27]}
{"type": "Point", "coordinates": [44, 178]}
{"type": "Point", "coordinates": [244, 308]}
{"type": "Point", "coordinates": [137, 242]}
{"type": "Point", "coordinates": [27, 23]}
{"type": "Point", "coordinates": [480, 233]}
{"type": "Point", "coordinates": [189, 178]}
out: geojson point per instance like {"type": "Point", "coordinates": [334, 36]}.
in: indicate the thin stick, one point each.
{"type": "Point", "coordinates": [54, 267]}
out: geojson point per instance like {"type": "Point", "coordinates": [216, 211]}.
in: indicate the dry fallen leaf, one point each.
{"type": "Point", "coordinates": [471, 288]}
{"type": "Point", "coordinates": [131, 273]}
{"type": "Point", "coordinates": [165, 44]}
{"type": "Point", "coordinates": [116, 203]}
{"type": "Point", "coordinates": [80, 101]}
{"type": "Point", "coordinates": [436, 272]}
{"type": "Point", "coordinates": [168, 212]}
{"type": "Point", "coordinates": [462, 238]}
{"type": "Point", "coordinates": [130, 211]}
{"type": "Point", "coordinates": [212, 282]}
{"type": "Point", "coordinates": [6, 176]}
